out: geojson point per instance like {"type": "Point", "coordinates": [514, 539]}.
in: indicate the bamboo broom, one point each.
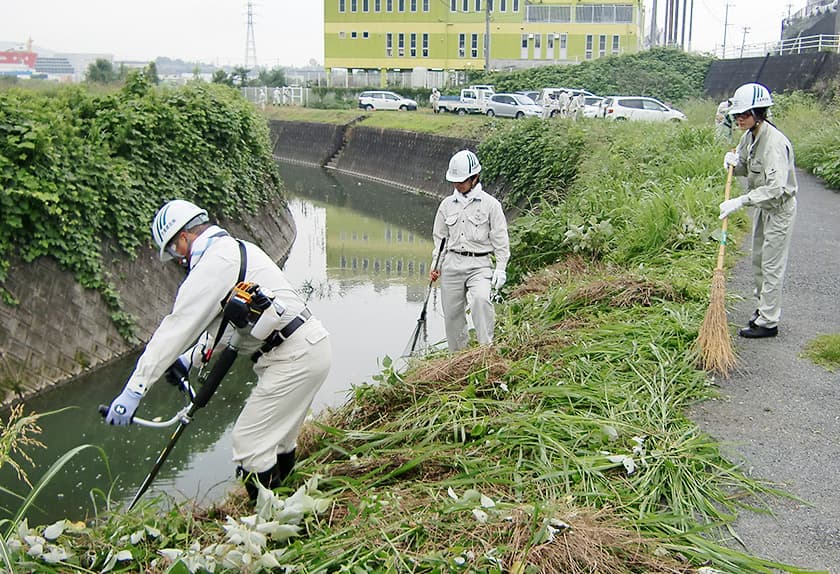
{"type": "Point", "coordinates": [713, 341]}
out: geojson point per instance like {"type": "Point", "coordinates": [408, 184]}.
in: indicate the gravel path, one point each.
{"type": "Point", "coordinates": [779, 413]}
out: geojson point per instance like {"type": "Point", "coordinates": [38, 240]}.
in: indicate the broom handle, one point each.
{"type": "Point", "coordinates": [722, 248]}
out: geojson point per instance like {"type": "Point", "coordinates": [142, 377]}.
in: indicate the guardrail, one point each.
{"type": "Point", "coordinates": [801, 45]}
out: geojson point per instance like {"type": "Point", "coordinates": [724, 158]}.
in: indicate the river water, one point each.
{"type": "Point", "coordinates": [361, 256]}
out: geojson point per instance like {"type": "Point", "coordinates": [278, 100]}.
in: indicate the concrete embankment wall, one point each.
{"type": "Point", "coordinates": [306, 143]}
{"type": "Point", "coordinates": [780, 73]}
{"type": "Point", "coordinates": [409, 160]}
{"type": "Point", "coordinates": [61, 330]}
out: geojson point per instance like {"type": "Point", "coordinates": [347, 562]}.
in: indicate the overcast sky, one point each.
{"type": "Point", "coordinates": [286, 32]}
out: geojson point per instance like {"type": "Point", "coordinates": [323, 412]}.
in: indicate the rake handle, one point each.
{"type": "Point", "coordinates": [722, 248]}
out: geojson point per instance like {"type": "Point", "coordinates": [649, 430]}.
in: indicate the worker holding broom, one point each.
{"type": "Point", "coordinates": [765, 156]}
{"type": "Point", "coordinates": [471, 226]}
{"type": "Point", "coordinates": [234, 285]}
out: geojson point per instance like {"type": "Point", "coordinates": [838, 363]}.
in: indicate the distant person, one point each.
{"type": "Point", "coordinates": [576, 107]}
{"type": "Point", "coordinates": [277, 96]}
{"type": "Point", "coordinates": [723, 121]}
{"type": "Point", "coordinates": [563, 102]}
{"type": "Point", "coordinates": [765, 156]}
{"type": "Point", "coordinates": [435, 100]}
{"type": "Point", "coordinates": [262, 97]}
{"type": "Point", "coordinates": [473, 224]}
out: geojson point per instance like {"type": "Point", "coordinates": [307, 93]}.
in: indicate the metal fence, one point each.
{"type": "Point", "coordinates": [801, 45]}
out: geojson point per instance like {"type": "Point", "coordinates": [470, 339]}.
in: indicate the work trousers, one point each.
{"type": "Point", "coordinates": [772, 231]}
{"type": "Point", "coordinates": [288, 378]}
{"type": "Point", "coordinates": [460, 276]}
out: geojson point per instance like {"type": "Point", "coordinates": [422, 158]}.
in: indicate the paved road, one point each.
{"type": "Point", "coordinates": [780, 413]}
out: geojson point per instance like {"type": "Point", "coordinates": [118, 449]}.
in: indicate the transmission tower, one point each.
{"type": "Point", "coordinates": [250, 43]}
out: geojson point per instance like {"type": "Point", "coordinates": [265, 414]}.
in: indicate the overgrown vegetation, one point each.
{"type": "Point", "coordinates": [82, 172]}
{"type": "Point", "coordinates": [665, 73]}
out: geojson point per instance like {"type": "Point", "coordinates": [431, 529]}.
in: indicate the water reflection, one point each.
{"type": "Point", "coordinates": [361, 254]}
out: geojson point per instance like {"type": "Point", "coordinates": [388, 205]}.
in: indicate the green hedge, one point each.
{"type": "Point", "coordinates": [664, 73]}
{"type": "Point", "coordinates": [80, 170]}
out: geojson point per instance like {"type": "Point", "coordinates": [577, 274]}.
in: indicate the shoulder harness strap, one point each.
{"type": "Point", "coordinates": [243, 263]}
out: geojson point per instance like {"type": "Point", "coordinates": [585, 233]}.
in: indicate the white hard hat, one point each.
{"type": "Point", "coordinates": [462, 166]}
{"type": "Point", "coordinates": [750, 96]}
{"type": "Point", "coordinates": [170, 219]}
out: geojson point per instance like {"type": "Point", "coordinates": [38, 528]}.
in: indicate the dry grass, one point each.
{"type": "Point", "coordinates": [625, 292]}
{"type": "Point", "coordinates": [714, 344]}
{"type": "Point", "coordinates": [456, 368]}
{"type": "Point", "coordinates": [544, 279]}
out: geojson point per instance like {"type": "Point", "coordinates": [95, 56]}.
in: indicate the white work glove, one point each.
{"type": "Point", "coordinates": [123, 407]}
{"type": "Point", "coordinates": [730, 206]}
{"type": "Point", "coordinates": [498, 280]}
{"type": "Point", "coordinates": [731, 158]}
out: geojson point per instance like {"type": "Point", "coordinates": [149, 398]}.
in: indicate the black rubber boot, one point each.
{"type": "Point", "coordinates": [285, 465]}
{"type": "Point", "coordinates": [268, 478]}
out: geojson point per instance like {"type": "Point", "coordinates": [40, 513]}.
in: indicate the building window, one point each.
{"type": "Point", "coordinates": [478, 5]}
{"type": "Point", "coordinates": [516, 5]}
{"type": "Point", "coordinates": [377, 5]}
{"type": "Point", "coordinates": [465, 5]}
{"type": "Point", "coordinates": [588, 54]}
{"type": "Point", "coordinates": [604, 13]}
{"type": "Point", "coordinates": [425, 45]}
{"type": "Point", "coordinates": [453, 5]}
{"type": "Point", "coordinates": [389, 45]}
{"type": "Point", "coordinates": [490, 5]}
{"type": "Point", "coordinates": [563, 39]}
{"type": "Point", "coordinates": [365, 5]}
{"type": "Point", "coordinates": [523, 52]}
{"type": "Point", "coordinates": [549, 42]}
{"type": "Point", "coordinates": [342, 35]}
{"type": "Point", "coordinates": [502, 5]}
{"type": "Point", "coordinates": [553, 14]}
{"type": "Point", "coordinates": [400, 45]}
{"type": "Point", "coordinates": [538, 46]}
{"type": "Point", "coordinates": [413, 45]}
{"type": "Point", "coordinates": [414, 5]}
{"type": "Point", "coordinates": [365, 35]}
{"type": "Point", "coordinates": [354, 35]}
{"type": "Point", "coordinates": [342, 5]}
{"type": "Point", "coordinates": [602, 45]}
{"type": "Point", "coordinates": [354, 5]}
{"type": "Point", "coordinates": [474, 46]}
{"type": "Point", "coordinates": [401, 4]}
{"type": "Point", "coordinates": [425, 5]}
{"type": "Point", "coordinates": [389, 5]}
{"type": "Point", "coordinates": [616, 47]}
{"type": "Point", "coordinates": [462, 40]}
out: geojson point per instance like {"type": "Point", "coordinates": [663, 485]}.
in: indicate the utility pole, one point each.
{"type": "Point", "coordinates": [250, 43]}
{"type": "Point", "coordinates": [690, 25]}
{"type": "Point", "coordinates": [744, 39]}
{"type": "Point", "coordinates": [487, 35]}
{"type": "Point", "coordinates": [725, 28]}
{"type": "Point", "coordinates": [653, 37]}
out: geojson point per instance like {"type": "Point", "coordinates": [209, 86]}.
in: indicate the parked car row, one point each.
{"type": "Point", "coordinates": [531, 103]}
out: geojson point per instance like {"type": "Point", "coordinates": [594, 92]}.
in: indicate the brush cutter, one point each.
{"type": "Point", "coordinates": [420, 329]}
{"type": "Point", "coordinates": [183, 417]}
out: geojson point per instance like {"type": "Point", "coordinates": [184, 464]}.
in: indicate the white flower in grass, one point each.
{"type": "Point", "coordinates": [480, 515]}
{"type": "Point", "coordinates": [152, 531]}
{"type": "Point", "coordinates": [627, 461]}
{"type": "Point", "coordinates": [487, 502]}
{"type": "Point", "coordinates": [709, 570]}
{"type": "Point", "coordinates": [460, 560]}
{"type": "Point", "coordinates": [55, 554]}
{"type": "Point", "coordinates": [137, 537]}
{"type": "Point", "coordinates": [123, 556]}
{"type": "Point", "coordinates": [504, 387]}
{"type": "Point", "coordinates": [35, 550]}
{"type": "Point", "coordinates": [451, 493]}
{"type": "Point", "coordinates": [54, 530]}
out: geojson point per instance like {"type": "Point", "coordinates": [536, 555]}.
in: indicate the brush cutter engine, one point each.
{"type": "Point", "coordinates": [249, 305]}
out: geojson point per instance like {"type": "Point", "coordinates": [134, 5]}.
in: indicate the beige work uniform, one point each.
{"type": "Point", "coordinates": [767, 161]}
{"type": "Point", "coordinates": [474, 227]}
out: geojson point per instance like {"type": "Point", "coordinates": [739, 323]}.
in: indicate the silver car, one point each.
{"type": "Point", "coordinates": [513, 106]}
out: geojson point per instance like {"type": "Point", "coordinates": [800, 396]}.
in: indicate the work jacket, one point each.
{"type": "Point", "coordinates": [472, 223]}
{"type": "Point", "coordinates": [197, 311]}
{"type": "Point", "coordinates": [767, 161]}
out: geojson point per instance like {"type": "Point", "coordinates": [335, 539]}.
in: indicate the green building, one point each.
{"type": "Point", "coordinates": [449, 35]}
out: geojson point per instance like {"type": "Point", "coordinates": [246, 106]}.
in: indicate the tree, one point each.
{"type": "Point", "coordinates": [101, 71]}
{"type": "Point", "coordinates": [151, 73]}
{"type": "Point", "coordinates": [271, 78]}
{"type": "Point", "coordinates": [221, 77]}
{"type": "Point", "coordinates": [239, 75]}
